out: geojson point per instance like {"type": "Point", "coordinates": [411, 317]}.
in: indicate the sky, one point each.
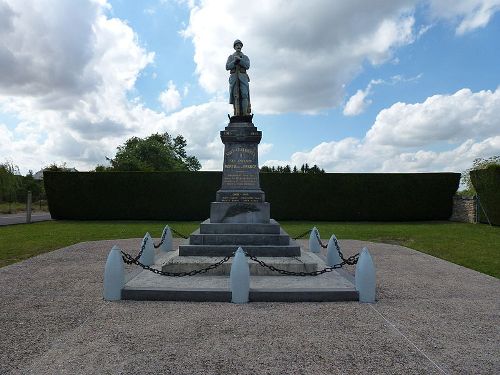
{"type": "Point", "coordinates": [352, 86]}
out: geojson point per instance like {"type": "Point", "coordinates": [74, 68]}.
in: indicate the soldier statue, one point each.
{"type": "Point", "coordinates": [239, 92]}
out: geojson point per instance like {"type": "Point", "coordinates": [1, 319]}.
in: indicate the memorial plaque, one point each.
{"type": "Point", "coordinates": [240, 173]}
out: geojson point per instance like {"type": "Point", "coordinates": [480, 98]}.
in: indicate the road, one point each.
{"type": "Point", "coordinates": [10, 219]}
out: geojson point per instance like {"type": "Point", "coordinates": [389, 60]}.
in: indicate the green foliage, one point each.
{"type": "Point", "coordinates": [131, 195]}
{"type": "Point", "coordinates": [54, 167]}
{"type": "Point", "coordinates": [158, 152]}
{"type": "Point", "coordinates": [486, 182]}
{"type": "Point", "coordinates": [293, 196]}
{"type": "Point", "coordinates": [360, 196]}
{"type": "Point", "coordinates": [9, 181]}
{"type": "Point", "coordinates": [287, 169]}
{"type": "Point", "coordinates": [28, 183]}
{"type": "Point", "coordinates": [479, 163]}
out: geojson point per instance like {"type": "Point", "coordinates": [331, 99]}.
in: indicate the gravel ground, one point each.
{"type": "Point", "coordinates": [431, 317]}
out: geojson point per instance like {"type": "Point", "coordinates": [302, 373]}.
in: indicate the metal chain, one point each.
{"type": "Point", "coordinates": [291, 273]}
{"type": "Point", "coordinates": [352, 260]}
{"type": "Point", "coordinates": [129, 259]}
{"type": "Point", "coordinates": [162, 239]}
{"type": "Point", "coordinates": [319, 240]}
{"type": "Point", "coordinates": [302, 235]}
{"type": "Point", "coordinates": [179, 234]}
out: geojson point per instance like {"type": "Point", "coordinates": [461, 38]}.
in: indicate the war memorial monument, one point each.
{"type": "Point", "coordinates": [275, 267]}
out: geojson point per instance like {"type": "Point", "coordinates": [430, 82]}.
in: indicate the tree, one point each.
{"type": "Point", "coordinates": [158, 152]}
{"type": "Point", "coordinates": [54, 167]}
{"type": "Point", "coordinates": [287, 169]}
{"type": "Point", "coordinates": [479, 163]}
{"type": "Point", "coordinates": [9, 182]}
{"type": "Point", "coordinates": [28, 183]}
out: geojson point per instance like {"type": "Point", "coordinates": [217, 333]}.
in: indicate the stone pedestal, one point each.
{"type": "Point", "coordinates": [240, 216]}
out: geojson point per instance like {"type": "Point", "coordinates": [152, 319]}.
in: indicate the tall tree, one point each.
{"type": "Point", "coordinates": [9, 181]}
{"type": "Point", "coordinates": [158, 152]}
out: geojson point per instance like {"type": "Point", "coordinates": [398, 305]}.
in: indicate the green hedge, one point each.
{"type": "Point", "coordinates": [487, 185]}
{"type": "Point", "coordinates": [187, 195]}
{"type": "Point", "coordinates": [130, 195]}
{"type": "Point", "coordinates": [361, 196]}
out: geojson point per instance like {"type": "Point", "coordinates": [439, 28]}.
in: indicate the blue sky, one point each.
{"type": "Point", "coordinates": [386, 86]}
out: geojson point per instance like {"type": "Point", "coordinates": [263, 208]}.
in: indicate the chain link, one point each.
{"type": "Point", "coordinates": [129, 259]}
{"type": "Point", "coordinates": [162, 239]}
{"type": "Point", "coordinates": [179, 233]}
{"type": "Point", "coordinates": [292, 273]}
{"type": "Point", "coordinates": [302, 235]}
{"type": "Point", "coordinates": [319, 240]}
{"type": "Point", "coordinates": [352, 260]}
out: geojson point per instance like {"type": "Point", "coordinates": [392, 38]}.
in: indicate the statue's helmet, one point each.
{"type": "Point", "coordinates": [237, 41]}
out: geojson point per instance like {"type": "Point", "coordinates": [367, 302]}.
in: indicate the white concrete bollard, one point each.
{"type": "Point", "coordinates": [166, 246]}
{"type": "Point", "coordinates": [148, 255]}
{"type": "Point", "coordinates": [314, 246]}
{"type": "Point", "coordinates": [365, 277]}
{"type": "Point", "coordinates": [332, 254]}
{"type": "Point", "coordinates": [239, 278]}
{"type": "Point", "coordinates": [114, 275]}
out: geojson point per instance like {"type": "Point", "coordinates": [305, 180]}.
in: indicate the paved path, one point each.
{"type": "Point", "coordinates": [9, 219]}
{"type": "Point", "coordinates": [431, 317]}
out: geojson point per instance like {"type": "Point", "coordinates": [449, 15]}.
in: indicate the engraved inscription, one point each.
{"type": "Point", "coordinates": [240, 197]}
{"type": "Point", "coordinates": [241, 169]}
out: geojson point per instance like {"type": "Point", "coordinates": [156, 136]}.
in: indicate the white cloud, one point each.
{"type": "Point", "coordinates": [443, 133]}
{"type": "Point", "coordinates": [66, 71]}
{"type": "Point", "coordinates": [451, 118]}
{"type": "Point", "coordinates": [171, 98]}
{"type": "Point", "coordinates": [469, 14]}
{"type": "Point", "coordinates": [296, 66]}
{"type": "Point", "coordinates": [357, 103]}
{"type": "Point", "coordinates": [265, 148]}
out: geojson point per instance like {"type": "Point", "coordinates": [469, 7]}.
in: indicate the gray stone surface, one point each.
{"type": "Point", "coordinates": [272, 227]}
{"type": "Point", "coordinates": [172, 262]}
{"type": "Point", "coordinates": [239, 212]}
{"type": "Point", "coordinates": [221, 239]}
{"type": "Point", "coordinates": [291, 250]}
{"type": "Point", "coordinates": [241, 239]}
{"type": "Point", "coordinates": [430, 315]}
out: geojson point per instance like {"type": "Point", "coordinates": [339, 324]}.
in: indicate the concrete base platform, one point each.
{"type": "Point", "coordinates": [222, 239]}
{"type": "Point", "coordinates": [329, 287]}
{"type": "Point", "coordinates": [173, 262]}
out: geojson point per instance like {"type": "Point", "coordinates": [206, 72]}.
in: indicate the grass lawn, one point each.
{"type": "Point", "coordinates": [475, 246]}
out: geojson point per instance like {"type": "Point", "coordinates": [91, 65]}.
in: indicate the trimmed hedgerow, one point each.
{"type": "Point", "coordinates": [294, 196]}
{"type": "Point", "coordinates": [487, 184]}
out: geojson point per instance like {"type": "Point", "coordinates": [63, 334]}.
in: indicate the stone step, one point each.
{"type": "Point", "coordinates": [172, 262]}
{"type": "Point", "coordinates": [238, 239]}
{"type": "Point", "coordinates": [239, 228]}
{"type": "Point", "coordinates": [291, 250]}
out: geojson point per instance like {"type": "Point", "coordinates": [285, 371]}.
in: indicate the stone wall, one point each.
{"type": "Point", "coordinates": [464, 209]}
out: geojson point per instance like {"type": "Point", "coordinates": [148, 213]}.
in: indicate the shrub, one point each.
{"type": "Point", "coordinates": [487, 185]}
{"type": "Point", "coordinates": [294, 196]}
